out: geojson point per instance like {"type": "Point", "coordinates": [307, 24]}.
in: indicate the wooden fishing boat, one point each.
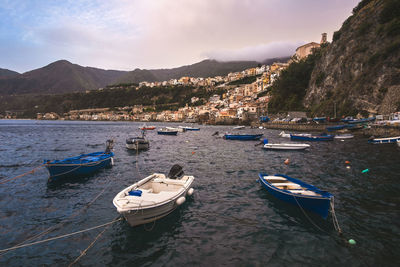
{"type": "Point", "coordinates": [243, 137]}
{"type": "Point", "coordinates": [81, 165]}
{"type": "Point", "coordinates": [154, 197]}
{"type": "Point", "coordinates": [302, 137]}
{"type": "Point", "coordinates": [298, 193]}
{"type": "Point", "coordinates": [165, 131]}
{"type": "Point", "coordinates": [386, 140]}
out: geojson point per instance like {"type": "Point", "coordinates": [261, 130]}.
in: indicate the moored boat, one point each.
{"type": "Point", "coordinates": [398, 143]}
{"type": "Point", "coordinates": [165, 131]}
{"type": "Point", "coordinates": [137, 143]}
{"type": "Point", "coordinates": [283, 134]}
{"type": "Point", "coordinates": [243, 137]}
{"type": "Point", "coordinates": [386, 140]}
{"type": "Point", "coordinates": [178, 129]}
{"type": "Point", "coordinates": [343, 136]}
{"type": "Point", "coordinates": [154, 197]}
{"type": "Point", "coordinates": [145, 127]}
{"type": "Point", "coordinates": [187, 128]}
{"type": "Point", "coordinates": [286, 146]}
{"type": "Point", "coordinates": [239, 127]}
{"type": "Point", "coordinates": [302, 137]}
{"type": "Point", "coordinates": [298, 193]}
{"type": "Point", "coordinates": [81, 165]}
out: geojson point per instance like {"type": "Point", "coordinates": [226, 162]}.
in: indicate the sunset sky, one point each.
{"type": "Point", "coordinates": [129, 34]}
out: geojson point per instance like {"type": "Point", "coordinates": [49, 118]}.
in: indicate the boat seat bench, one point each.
{"type": "Point", "coordinates": [287, 185]}
{"type": "Point", "coordinates": [274, 178]}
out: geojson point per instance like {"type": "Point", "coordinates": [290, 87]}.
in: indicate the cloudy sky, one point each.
{"type": "Point", "coordinates": [129, 34]}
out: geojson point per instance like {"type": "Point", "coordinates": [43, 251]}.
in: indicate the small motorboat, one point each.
{"type": "Point", "coordinates": [343, 136]}
{"type": "Point", "coordinates": [81, 165]}
{"type": "Point", "coordinates": [187, 128]}
{"type": "Point", "coordinates": [243, 137]}
{"type": "Point", "coordinates": [298, 193]}
{"type": "Point", "coordinates": [178, 129]}
{"type": "Point", "coordinates": [239, 127]}
{"type": "Point", "coordinates": [386, 140]}
{"type": "Point", "coordinates": [166, 131]}
{"type": "Point", "coordinates": [283, 134]}
{"type": "Point", "coordinates": [284, 146]}
{"type": "Point", "coordinates": [154, 197]}
{"type": "Point", "coordinates": [145, 127]}
{"type": "Point", "coordinates": [138, 143]}
{"type": "Point", "coordinates": [304, 137]}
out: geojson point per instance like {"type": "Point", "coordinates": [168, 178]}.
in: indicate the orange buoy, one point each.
{"type": "Point", "coordinates": [193, 153]}
{"type": "Point", "coordinates": [347, 162]}
{"type": "Point", "coordinates": [287, 161]}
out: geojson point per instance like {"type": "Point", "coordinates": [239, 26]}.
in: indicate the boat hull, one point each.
{"type": "Point", "coordinates": [311, 138]}
{"type": "Point", "coordinates": [142, 216]}
{"type": "Point", "coordinates": [167, 132]}
{"type": "Point", "coordinates": [286, 146]}
{"type": "Point", "coordinates": [59, 171]}
{"type": "Point", "coordinates": [385, 140]}
{"type": "Point", "coordinates": [316, 204]}
{"type": "Point", "coordinates": [243, 137]}
{"type": "Point", "coordinates": [137, 146]}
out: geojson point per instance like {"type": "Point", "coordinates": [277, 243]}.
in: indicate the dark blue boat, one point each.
{"type": "Point", "coordinates": [81, 165]}
{"type": "Point", "coordinates": [298, 193]}
{"type": "Point", "coordinates": [336, 127]}
{"type": "Point", "coordinates": [243, 137]}
{"type": "Point", "coordinates": [302, 137]}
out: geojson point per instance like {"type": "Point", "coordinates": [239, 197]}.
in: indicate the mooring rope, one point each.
{"type": "Point", "coordinates": [83, 253]}
{"type": "Point", "coordinates": [62, 236]}
{"type": "Point", "coordinates": [54, 227]}
{"type": "Point", "coordinates": [21, 175]}
{"type": "Point", "coordinates": [307, 216]}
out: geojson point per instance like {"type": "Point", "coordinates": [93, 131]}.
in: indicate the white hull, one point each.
{"type": "Point", "coordinates": [160, 196]}
{"type": "Point", "coordinates": [286, 146]}
{"type": "Point", "coordinates": [398, 143]}
{"type": "Point", "coordinates": [343, 136]}
{"type": "Point", "coordinates": [180, 130]}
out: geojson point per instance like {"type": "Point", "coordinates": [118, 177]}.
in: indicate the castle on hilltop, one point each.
{"type": "Point", "coordinates": [304, 50]}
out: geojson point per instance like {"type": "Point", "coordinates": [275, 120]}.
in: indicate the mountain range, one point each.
{"type": "Point", "coordinates": [65, 77]}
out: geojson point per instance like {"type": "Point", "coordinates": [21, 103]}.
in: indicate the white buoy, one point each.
{"type": "Point", "coordinates": [190, 191]}
{"type": "Point", "coordinates": [180, 201]}
{"type": "Point", "coordinates": [112, 161]}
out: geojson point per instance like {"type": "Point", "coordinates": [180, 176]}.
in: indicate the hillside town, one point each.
{"type": "Point", "coordinates": [240, 102]}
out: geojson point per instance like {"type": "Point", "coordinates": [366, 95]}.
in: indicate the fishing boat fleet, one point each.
{"type": "Point", "coordinates": [158, 194]}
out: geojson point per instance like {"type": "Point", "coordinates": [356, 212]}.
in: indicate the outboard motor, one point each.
{"type": "Point", "coordinates": [109, 145]}
{"type": "Point", "coordinates": [175, 172]}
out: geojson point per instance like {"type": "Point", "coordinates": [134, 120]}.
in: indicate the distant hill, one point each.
{"type": "Point", "coordinates": [62, 77]}
{"type": "Point", "coordinates": [57, 78]}
{"type": "Point", "coordinates": [205, 68]}
{"type": "Point", "coordinates": [5, 73]}
{"type": "Point", "coordinates": [270, 61]}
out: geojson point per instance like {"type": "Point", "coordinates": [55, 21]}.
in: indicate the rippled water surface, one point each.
{"type": "Point", "coordinates": [230, 220]}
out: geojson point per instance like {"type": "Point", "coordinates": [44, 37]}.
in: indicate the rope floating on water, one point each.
{"type": "Point", "coordinates": [21, 175]}
{"type": "Point", "coordinates": [83, 253]}
{"type": "Point", "coordinates": [62, 236]}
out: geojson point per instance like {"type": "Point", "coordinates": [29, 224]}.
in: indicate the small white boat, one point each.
{"type": "Point", "coordinates": [398, 143]}
{"type": "Point", "coordinates": [240, 127]}
{"type": "Point", "coordinates": [286, 146]}
{"type": "Point", "coordinates": [154, 196]}
{"type": "Point", "coordinates": [386, 140]}
{"type": "Point", "coordinates": [178, 129]}
{"type": "Point", "coordinates": [283, 134]}
{"type": "Point", "coordinates": [343, 136]}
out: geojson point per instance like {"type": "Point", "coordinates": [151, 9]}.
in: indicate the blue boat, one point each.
{"type": "Point", "coordinates": [319, 119]}
{"type": "Point", "coordinates": [81, 165]}
{"type": "Point", "coordinates": [336, 127]}
{"type": "Point", "coordinates": [386, 140]}
{"type": "Point", "coordinates": [298, 193]}
{"type": "Point", "coordinates": [362, 120]}
{"type": "Point", "coordinates": [243, 137]}
{"type": "Point", "coordinates": [303, 137]}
